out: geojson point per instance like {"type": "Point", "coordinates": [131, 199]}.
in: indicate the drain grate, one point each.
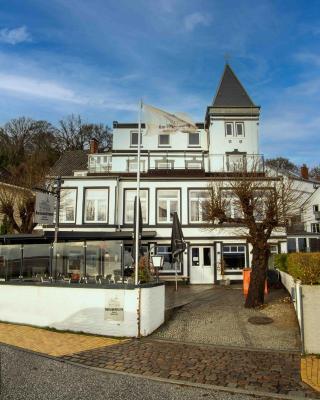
{"type": "Point", "coordinates": [260, 320]}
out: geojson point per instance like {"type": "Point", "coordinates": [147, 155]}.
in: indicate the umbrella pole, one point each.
{"type": "Point", "coordinates": [176, 275]}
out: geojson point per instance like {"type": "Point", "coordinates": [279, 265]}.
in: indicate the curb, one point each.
{"type": "Point", "coordinates": [223, 347]}
{"type": "Point", "coordinates": [163, 380]}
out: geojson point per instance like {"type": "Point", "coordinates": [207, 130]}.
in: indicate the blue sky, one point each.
{"type": "Point", "coordinates": [98, 57]}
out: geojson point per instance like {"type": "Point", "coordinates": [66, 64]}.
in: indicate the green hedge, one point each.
{"type": "Point", "coordinates": [303, 266]}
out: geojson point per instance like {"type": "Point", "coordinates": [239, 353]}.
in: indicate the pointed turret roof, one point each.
{"type": "Point", "coordinates": [230, 92]}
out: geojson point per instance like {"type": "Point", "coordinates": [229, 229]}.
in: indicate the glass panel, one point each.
{"type": "Point", "coordinates": [36, 261]}
{"type": "Point", "coordinates": [229, 129]}
{"type": "Point", "coordinates": [291, 245]}
{"type": "Point", "coordinates": [10, 262]}
{"type": "Point", "coordinates": [239, 129]}
{"type": "Point", "coordinates": [234, 261]}
{"type": "Point", "coordinates": [168, 203]}
{"type": "Point", "coordinates": [96, 205]}
{"type": "Point", "coordinates": [164, 140]}
{"type": "Point", "coordinates": [162, 210]}
{"type": "Point", "coordinates": [195, 256]}
{"type": "Point", "coordinates": [193, 139]}
{"type": "Point", "coordinates": [173, 208]}
{"type": "Point", "coordinates": [207, 256]}
{"type": "Point", "coordinates": [129, 205]}
{"type": "Point", "coordinates": [68, 205]}
{"type": "Point", "coordinates": [195, 211]}
{"type": "Point", "coordinates": [134, 138]}
{"type": "Point", "coordinates": [69, 261]}
{"type": "Point", "coordinates": [302, 244]}
{"type": "Point", "coordinates": [168, 266]}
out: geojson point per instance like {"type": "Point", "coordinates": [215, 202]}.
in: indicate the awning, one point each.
{"type": "Point", "coordinates": [48, 236]}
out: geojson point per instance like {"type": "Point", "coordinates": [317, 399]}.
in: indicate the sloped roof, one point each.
{"type": "Point", "coordinates": [230, 92]}
{"type": "Point", "coordinates": [69, 162]}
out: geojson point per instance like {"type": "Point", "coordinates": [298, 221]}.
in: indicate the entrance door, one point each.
{"type": "Point", "coordinates": [201, 268]}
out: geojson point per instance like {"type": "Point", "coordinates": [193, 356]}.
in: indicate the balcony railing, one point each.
{"type": "Point", "coordinates": [165, 161]}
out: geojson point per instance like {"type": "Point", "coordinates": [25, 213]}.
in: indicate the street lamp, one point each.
{"type": "Point", "coordinates": [157, 262]}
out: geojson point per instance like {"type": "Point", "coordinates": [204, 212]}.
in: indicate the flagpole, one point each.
{"type": "Point", "coordinates": [137, 227]}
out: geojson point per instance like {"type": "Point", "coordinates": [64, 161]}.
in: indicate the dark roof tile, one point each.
{"type": "Point", "coordinates": [231, 93]}
{"type": "Point", "coordinates": [69, 162]}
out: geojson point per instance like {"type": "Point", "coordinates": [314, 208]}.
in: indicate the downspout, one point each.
{"type": "Point", "coordinates": [299, 287]}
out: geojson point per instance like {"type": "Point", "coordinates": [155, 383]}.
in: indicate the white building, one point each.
{"type": "Point", "coordinates": [98, 189]}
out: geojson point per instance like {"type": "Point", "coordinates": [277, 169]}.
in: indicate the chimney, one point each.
{"type": "Point", "coordinates": [304, 172]}
{"type": "Point", "coordinates": [94, 144]}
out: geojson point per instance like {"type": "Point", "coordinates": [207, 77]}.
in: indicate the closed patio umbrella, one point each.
{"type": "Point", "coordinates": [178, 245]}
{"type": "Point", "coordinates": [135, 229]}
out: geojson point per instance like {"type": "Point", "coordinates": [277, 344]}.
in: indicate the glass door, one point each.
{"type": "Point", "coordinates": [201, 265]}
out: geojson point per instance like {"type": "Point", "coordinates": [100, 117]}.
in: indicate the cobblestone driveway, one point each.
{"type": "Point", "coordinates": [271, 372]}
{"type": "Point", "coordinates": [217, 316]}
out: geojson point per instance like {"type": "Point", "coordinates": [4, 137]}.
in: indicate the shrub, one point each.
{"type": "Point", "coordinates": [281, 261]}
{"type": "Point", "coordinates": [305, 266]}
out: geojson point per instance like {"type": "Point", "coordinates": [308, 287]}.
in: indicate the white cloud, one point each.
{"type": "Point", "coordinates": [36, 88]}
{"type": "Point", "coordinates": [15, 36]}
{"type": "Point", "coordinates": [191, 21]}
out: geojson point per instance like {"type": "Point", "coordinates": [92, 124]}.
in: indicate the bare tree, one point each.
{"type": "Point", "coordinates": [258, 205]}
{"type": "Point", "coordinates": [17, 198]}
{"type": "Point", "coordinates": [74, 134]}
{"type": "Point", "coordinates": [281, 164]}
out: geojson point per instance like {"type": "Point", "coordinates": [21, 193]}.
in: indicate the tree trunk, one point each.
{"type": "Point", "coordinates": [260, 257]}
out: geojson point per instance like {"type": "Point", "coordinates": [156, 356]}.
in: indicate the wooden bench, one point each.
{"type": "Point", "coordinates": [172, 278]}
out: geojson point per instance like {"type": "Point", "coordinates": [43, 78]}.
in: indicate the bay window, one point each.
{"type": "Point", "coordinates": [129, 196]}
{"type": "Point", "coordinates": [68, 204]}
{"type": "Point", "coordinates": [197, 203]}
{"type": "Point", "coordinates": [96, 205]}
{"type": "Point", "coordinates": [167, 203]}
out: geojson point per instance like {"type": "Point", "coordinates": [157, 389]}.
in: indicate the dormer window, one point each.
{"type": "Point", "coordinates": [194, 139]}
{"type": "Point", "coordinates": [164, 140]}
{"type": "Point", "coordinates": [240, 128]}
{"type": "Point", "coordinates": [134, 139]}
{"type": "Point", "coordinates": [229, 128]}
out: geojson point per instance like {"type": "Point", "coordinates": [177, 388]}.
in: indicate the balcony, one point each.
{"type": "Point", "coordinates": [175, 163]}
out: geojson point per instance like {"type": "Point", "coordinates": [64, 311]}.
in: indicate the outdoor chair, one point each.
{"type": "Point", "coordinates": [104, 280]}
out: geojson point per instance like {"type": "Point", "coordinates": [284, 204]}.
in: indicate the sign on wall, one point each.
{"type": "Point", "coordinates": [114, 308]}
{"type": "Point", "coordinates": [44, 208]}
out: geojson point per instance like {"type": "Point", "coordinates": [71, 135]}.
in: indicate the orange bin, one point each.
{"type": "Point", "coordinates": [246, 273]}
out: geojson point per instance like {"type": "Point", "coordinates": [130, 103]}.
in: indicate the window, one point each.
{"type": "Point", "coordinates": [194, 165]}
{"type": "Point", "coordinates": [234, 257]}
{"type": "Point", "coordinates": [197, 201]}
{"type": "Point", "coordinates": [292, 248]}
{"type": "Point", "coordinates": [194, 139]}
{"type": "Point", "coordinates": [164, 140]}
{"type": "Point", "coordinates": [168, 265]}
{"type": "Point", "coordinates": [129, 196]}
{"type": "Point", "coordinates": [133, 165]}
{"type": "Point", "coordinates": [229, 128]}
{"type": "Point", "coordinates": [167, 204]}
{"type": "Point", "coordinates": [240, 129]}
{"type": "Point", "coordinates": [134, 138]}
{"type": "Point", "coordinates": [315, 228]}
{"type": "Point", "coordinates": [96, 205]}
{"type": "Point", "coordinates": [68, 205]}
{"type": "Point", "coordinates": [315, 208]}
{"type": "Point", "coordinates": [302, 245]}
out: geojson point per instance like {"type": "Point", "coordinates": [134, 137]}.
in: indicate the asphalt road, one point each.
{"type": "Point", "coordinates": [27, 376]}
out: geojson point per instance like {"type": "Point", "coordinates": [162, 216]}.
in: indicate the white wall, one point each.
{"type": "Point", "coordinates": [220, 143]}
{"type": "Point", "coordinates": [308, 216]}
{"type": "Point", "coordinates": [83, 309]}
{"type": "Point", "coordinates": [178, 140]}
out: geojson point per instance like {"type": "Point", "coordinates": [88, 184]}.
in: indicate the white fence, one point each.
{"type": "Point", "coordinates": [306, 300]}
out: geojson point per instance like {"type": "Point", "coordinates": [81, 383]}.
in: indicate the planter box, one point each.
{"type": "Point", "coordinates": [306, 300]}
{"type": "Point", "coordinates": [97, 310]}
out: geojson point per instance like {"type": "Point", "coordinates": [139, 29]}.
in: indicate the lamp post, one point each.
{"type": "Point", "coordinates": [157, 262]}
